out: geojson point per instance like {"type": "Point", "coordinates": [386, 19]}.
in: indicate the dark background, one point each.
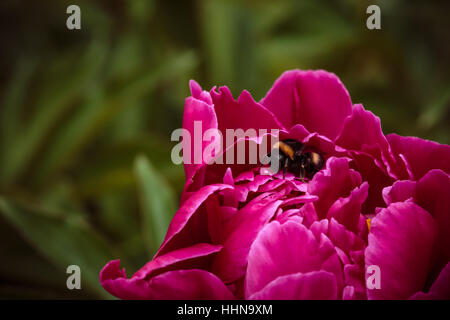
{"type": "Point", "coordinates": [86, 116]}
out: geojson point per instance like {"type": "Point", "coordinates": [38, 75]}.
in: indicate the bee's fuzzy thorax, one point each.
{"type": "Point", "coordinates": [285, 148]}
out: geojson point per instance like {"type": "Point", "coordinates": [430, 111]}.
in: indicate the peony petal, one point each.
{"type": "Point", "coordinates": [341, 237]}
{"type": "Point", "coordinates": [316, 99]}
{"type": "Point", "coordinates": [331, 183]}
{"type": "Point", "coordinates": [401, 241]}
{"type": "Point", "coordinates": [347, 210]}
{"type": "Point", "coordinates": [219, 218]}
{"type": "Point", "coordinates": [197, 256]}
{"type": "Point", "coordinates": [324, 145]}
{"type": "Point", "coordinates": [284, 216]}
{"type": "Point", "coordinates": [245, 176]}
{"type": "Point", "coordinates": [348, 293]}
{"type": "Point", "coordinates": [198, 93]}
{"type": "Point", "coordinates": [316, 285]}
{"type": "Point", "coordinates": [433, 194]}
{"type": "Point", "coordinates": [231, 262]}
{"type": "Point", "coordinates": [361, 128]}
{"type": "Point", "coordinates": [306, 198]}
{"type": "Point", "coordinates": [115, 281]}
{"type": "Point", "coordinates": [283, 249]}
{"type": "Point", "coordinates": [214, 172]}
{"type": "Point", "coordinates": [362, 132]}
{"type": "Point", "coordinates": [175, 285]}
{"type": "Point", "coordinates": [400, 191]}
{"type": "Point", "coordinates": [319, 227]}
{"type": "Point", "coordinates": [297, 132]}
{"type": "Point", "coordinates": [422, 155]}
{"type": "Point", "coordinates": [282, 99]}
{"type": "Point", "coordinates": [230, 112]}
{"type": "Point", "coordinates": [183, 216]}
{"type": "Point", "coordinates": [196, 111]}
{"type": "Point", "coordinates": [354, 276]}
{"type": "Point", "coordinates": [440, 289]}
{"type": "Point", "coordinates": [308, 213]}
{"type": "Point", "coordinates": [190, 284]}
{"type": "Point", "coordinates": [374, 172]}
{"type": "Point", "coordinates": [244, 189]}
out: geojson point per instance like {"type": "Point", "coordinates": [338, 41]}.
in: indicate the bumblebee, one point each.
{"type": "Point", "coordinates": [296, 158]}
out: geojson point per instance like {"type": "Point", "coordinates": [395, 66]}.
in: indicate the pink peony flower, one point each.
{"type": "Point", "coordinates": [240, 234]}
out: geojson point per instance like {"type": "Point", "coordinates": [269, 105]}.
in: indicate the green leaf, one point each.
{"type": "Point", "coordinates": [219, 33]}
{"type": "Point", "coordinates": [56, 98]}
{"type": "Point", "coordinates": [157, 202]}
{"type": "Point", "coordinates": [101, 109]}
{"type": "Point", "coordinates": [435, 110]}
{"type": "Point", "coordinates": [63, 241]}
{"type": "Point", "coordinates": [65, 145]}
{"type": "Point", "coordinates": [13, 103]}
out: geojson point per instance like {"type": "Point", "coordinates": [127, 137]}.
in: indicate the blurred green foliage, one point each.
{"type": "Point", "coordinates": [86, 116]}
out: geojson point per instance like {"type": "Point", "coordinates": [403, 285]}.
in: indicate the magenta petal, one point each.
{"type": "Point", "coordinates": [308, 213]}
{"type": "Point", "coordinates": [347, 210]}
{"type": "Point", "coordinates": [282, 249]}
{"type": "Point", "coordinates": [197, 110]}
{"type": "Point", "coordinates": [433, 194]}
{"type": "Point", "coordinates": [112, 271]}
{"type": "Point", "coordinates": [440, 289]}
{"type": "Point", "coordinates": [297, 132]}
{"type": "Point", "coordinates": [231, 262]}
{"type": "Point", "coordinates": [283, 100]}
{"type": "Point", "coordinates": [306, 198]}
{"type": "Point", "coordinates": [196, 256]}
{"type": "Point", "coordinates": [115, 281]}
{"type": "Point", "coordinates": [198, 93]}
{"type": "Point", "coordinates": [375, 173]}
{"type": "Point", "coordinates": [214, 172]}
{"type": "Point", "coordinates": [361, 128]}
{"type": "Point", "coordinates": [400, 191]}
{"type": "Point", "coordinates": [243, 190]}
{"type": "Point", "coordinates": [325, 145]}
{"type": "Point", "coordinates": [230, 112]}
{"type": "Point", "coordinates": [218, 219]}
{"type": "Point", "coordinates": [362, 132]}
{"type": "Point", "coordinates": [316, 99]}
{"type": "Point", "coordinates": [343, 238]}
{"type": "Point", "coordinates": [348, 293]}
{"type": "Point", "coordinates": [354, 276]}
{"type": "Point", "coordinates": [316, 285]}
{"type": "Point", "coordinates": [401, 242]}
{"type": "Point", "coordinates": [190, 284]}
{"type": "Point", "coordinates": [422, 155]}
{"type": "Point", "coordinates": [319, 227]}
{"type": "Point", "coordinates": [335, 181]}
{"type": "Point", "coordinates": [284, 216]}
{"type": "Point", "coordinates": [174, 285]}
{"type": "Point", "coordinates": [184, 215]}
{"type": "Point", "coordinates": [245, 176]}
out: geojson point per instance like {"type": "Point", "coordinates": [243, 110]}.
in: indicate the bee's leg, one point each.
{"type": "Point", "coordinates": [302, 173]}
